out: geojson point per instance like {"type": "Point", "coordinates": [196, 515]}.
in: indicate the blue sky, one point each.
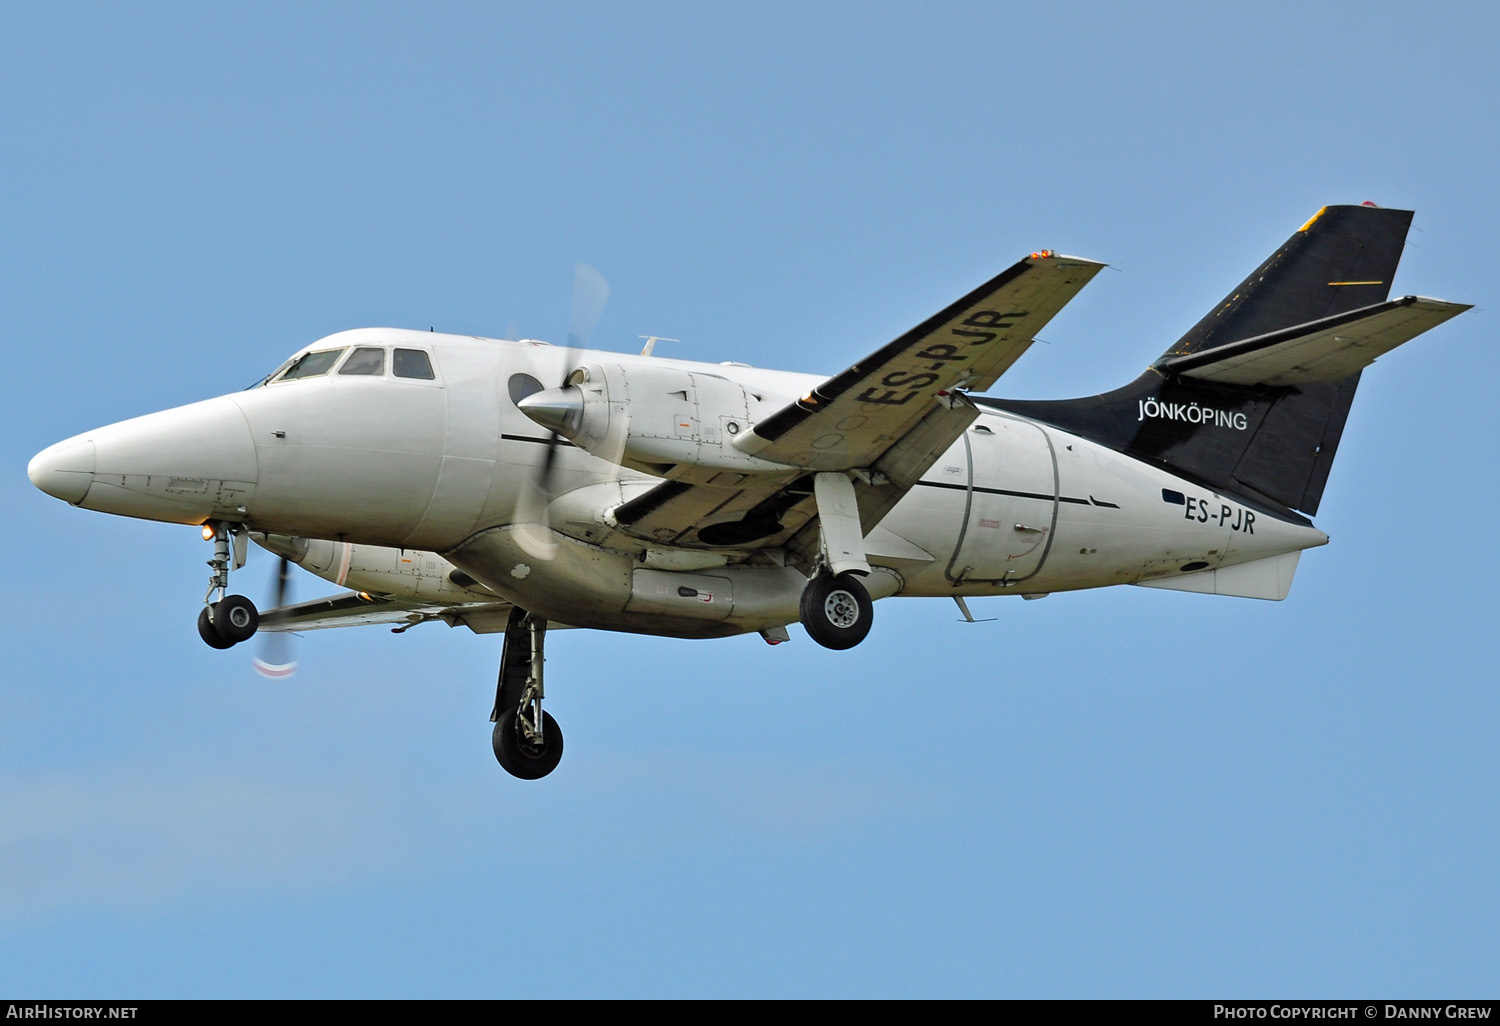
{"type": "Point", "coordinates": [1122, 793]}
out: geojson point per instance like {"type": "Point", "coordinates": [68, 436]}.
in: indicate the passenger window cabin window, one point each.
{"type": "Point", "coordinates": [412, 363]}
{"type": "Point", "coordinates": [522, 385]}
{"type": "Point", "coordinates": [365, 360]}
{"type": "Point", "coordinates": [312, 364]}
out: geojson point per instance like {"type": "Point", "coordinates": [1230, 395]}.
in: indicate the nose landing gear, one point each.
{"type": "Point", "coordinates": [208, 632]}
{"type": "Point", "coordinates": [233, 618]}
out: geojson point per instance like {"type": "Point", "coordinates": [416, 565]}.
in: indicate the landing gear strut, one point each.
{"type": "Point", "coordinates": [527, 741]}
{"type": "Point", "coordinates": [836, 609]}
{"type": "Point", "coordinates": [233, 618]}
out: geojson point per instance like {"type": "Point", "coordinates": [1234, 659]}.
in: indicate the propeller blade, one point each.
{"type": "Point", "coordinates": [283, 581]}
{"type": "Point", "coordinates": [590, 292]}
{"type": "Point", "coordinates": [531, 530]}
{"type": "Point", "coordinates": [275, 659]}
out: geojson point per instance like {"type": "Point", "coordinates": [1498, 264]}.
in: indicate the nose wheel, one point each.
{"type": "Point", "coordinates": [233, 618]}
{"type": "Point", "coordinates": [208, 632]}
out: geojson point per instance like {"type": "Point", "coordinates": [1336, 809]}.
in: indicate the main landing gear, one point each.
{"type": "Point", "coordinates": [528, 743]}
{"type": "Point", "coordinates": [233, 618]}
{"type": "Point", "coordinates": [836, 610]}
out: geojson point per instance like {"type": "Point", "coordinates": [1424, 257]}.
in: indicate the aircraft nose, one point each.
{"type": "Point", "coordinates": [65, 470]}
{"type": "Point", "coordinates": [181, 466]}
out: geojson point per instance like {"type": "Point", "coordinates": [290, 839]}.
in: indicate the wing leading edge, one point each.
{"type": "Point", "coordinates": [854, 417]}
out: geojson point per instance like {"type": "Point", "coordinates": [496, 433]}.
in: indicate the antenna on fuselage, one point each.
{"type": "Point", "coordinates": [651, 341]}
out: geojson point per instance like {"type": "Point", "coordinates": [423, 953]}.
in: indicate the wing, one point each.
{"type": "Point", "coordinates": [355, 609]}
{"type": "Point", "coordinates": [885, 420]}
{"type": "Point", "coordinates": [853, 418]}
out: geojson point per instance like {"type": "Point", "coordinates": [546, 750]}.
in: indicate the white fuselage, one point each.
{"type": "Point", "coordinates": [438, 465]}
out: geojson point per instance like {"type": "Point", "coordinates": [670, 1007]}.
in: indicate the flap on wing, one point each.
{"type": "Point", "coordinates": [356, 609]}
{"type": "Point", "coordinates": [1330, 349]}
{"type": "Point", "coordinates": [852, 418]}
{"type": "Point", "coordinates": [758, 514]}
{"type": "Point", "coordinates": [768, 510]}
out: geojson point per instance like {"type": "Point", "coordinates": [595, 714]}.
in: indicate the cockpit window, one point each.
{"type": "Point", "coordinates": [365, 360]}
{"type": "Point", "coordinates": [263, 382]}
{"type": "Point", "coordinates": [412, 363]}
{"type": "Point", "coordinates": [312, 365]}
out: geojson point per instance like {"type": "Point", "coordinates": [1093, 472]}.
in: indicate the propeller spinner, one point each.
{"type": "Point", "coordinates": [552, 409]}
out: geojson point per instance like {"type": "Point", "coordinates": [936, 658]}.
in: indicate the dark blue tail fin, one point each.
{"type": "Point", "coordinates": [1272, 443]}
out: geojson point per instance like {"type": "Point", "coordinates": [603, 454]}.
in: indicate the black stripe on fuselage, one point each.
{"type": "Point", "coordinates": [1285, 516]}
{"type": "Point", "coordinates": [557, 440]}
{"type": "Point", "coordinates": [1007, 491]}
{"type": "Point", "coordinates": [1111, 421]}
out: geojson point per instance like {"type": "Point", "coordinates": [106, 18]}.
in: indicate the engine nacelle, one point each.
{"type": "Point", "coordinates": [659, 419]}
{"type": "Point", "coordinates": [585, 585]}
{"type": "Point", "coordinates": [377, 569]}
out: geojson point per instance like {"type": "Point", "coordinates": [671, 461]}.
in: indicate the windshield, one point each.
{"type": "Point", "coordinates": [312, 364]}
{"type": "Point", "coordinates": [365, 360]}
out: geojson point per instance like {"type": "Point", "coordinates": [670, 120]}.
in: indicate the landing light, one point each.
{"type": "Point", "coordinates": [208, 532]}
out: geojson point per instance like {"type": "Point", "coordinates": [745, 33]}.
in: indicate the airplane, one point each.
{"type": "Point", "coordinates": [509, 486]}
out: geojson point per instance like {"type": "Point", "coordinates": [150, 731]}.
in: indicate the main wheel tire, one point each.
{"type": "Point", "coordinates": [209, 633]}
{"type": "Point", "coordinates": [522, 759]}
{"type": "Point", "coordinates": [235, 618]}
{"type": "Point", "coordinates": [837, 611]}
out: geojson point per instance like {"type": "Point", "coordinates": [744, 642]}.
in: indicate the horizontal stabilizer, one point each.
{"type": "Point", "coordinates": [1269, 578]}
{"type": "Point", "coordinates": [1320, 351]}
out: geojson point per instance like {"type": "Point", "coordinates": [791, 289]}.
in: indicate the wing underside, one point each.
{"type": "Point", "coordinates": [354, 609]}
